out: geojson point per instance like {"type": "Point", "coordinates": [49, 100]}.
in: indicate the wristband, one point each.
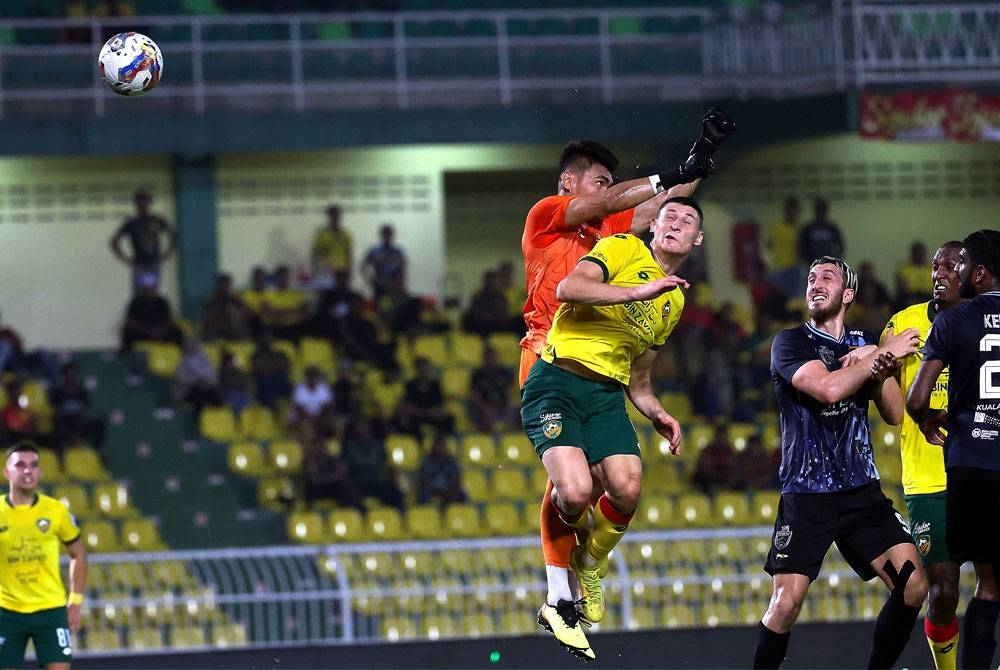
{"type": "Point", "coordinates": [75, 599]}
{"type": "Point", "coordinates": [654, 181]}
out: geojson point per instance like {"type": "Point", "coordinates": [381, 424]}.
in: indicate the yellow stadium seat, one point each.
{"type": "Point", "coordinates": [478, 449]}
{"type": "Point", "coordinates": [404, 452]}
{"type": "Point", "coordinates": [455, 382]}
{"type": "Point", "coordinates": [172, 574]}
{"type": "Point", "coordinates": [462, 520]}
{"type": "Point", "coordinates": [697, 435]}
{"type": "Point", "coordinates": [642, 618]}
{"type": "Point", "coordinates": [656, 511]}
{"type": "Point", "coordinates": [75, 497]}
{"type": "Point", "coordinates": [424, 522]}
{"type": "Point", "coordinates": [275, 493]}
{"type": "Point", "coordinates": [503, 518]}
{"type": "Point", "coordinates": [678, 405]}
{"type": "Point", "coordinates": [141, 535]}
{"type": "Point", "coordinates": [285, 456]}
{"type": "Point", "coordinates": [317, 352]}
{"type": "Point", "coordinates": [345, 525]}
{"type": "Point", "coordinates": [218, 424]}
{"type": "Point", "coordinates": [113, 499]}
{"type": "Point", "coordinates": [694, 509]}
{"type": "Point", "coordinates": [229, 635]}
{"type": "Point", "coordinates": [84, 464]}
{"type": "Point", "coordinates": [384, 523]}
{"type": "Point", "coordinates": [101, 640]}
{"type": "Point", "coordinates": [396, 628]}
{"type": "Point", "coordinates": [507, 346]}
{"type": "Point", "coordinates": [739, 433]}
{"type": "Point", "coordinates": [458, 408]}
{"type": "Point", "coordinates": [257, 422]}
{"type": "Point", "coordinates": [516, 448]}
{"type": "Point", "coordinates": [305, 527]}
{"type": "Point", "coordinates": [144, 638]}
{"type": "Point", "coordinates": [476, 484]}
{"type": "Point", "coordinates": [509, 484]}
{"type": "Point", "coordinates": [467, 349]}
{"type": "Point", "coordinates": [433, 347]}
{"type": "Point", "coordinates": [732, 509]}
{"type": "Point", "coordinates": [242, 353]}
{"type": "Point", "coordinates": [381, 397]}
{"type": "Point", "coordinates": [763, 507]}
{"type": "Point", "coordinates": [247, 459]}
{"type": "Point", "coordinates": [479, 624]}
{"type": "Point", "coordinates": [52, 470]}
{"type": "Point", "coordinates": [100, 536]}
{"type": "Point", "coordinates": [162, 358]}
{"type": "Point", "coordinates": [187, 637]}
{"type": "Point", "coordinates": [438, 626]}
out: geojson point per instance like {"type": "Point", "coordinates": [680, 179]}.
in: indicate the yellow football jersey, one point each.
{"type": "Point", "coordinates": [923, 463]}
{"type": "Point", "coordinates": [30, 540]}
{"type": "Point", "coordinates": [607, 338]}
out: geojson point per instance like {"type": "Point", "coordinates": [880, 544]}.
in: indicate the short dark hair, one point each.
{"type": "Point", "coordinates": [850, 276]}
{"type": "Point", "coordinates": [20, 446]}
{"type": "Point", "coordinates": [684, 200]}
{"type": "Point", "coordinates": [983, 248]}
{"type": "Point", "coordinates": [589, 151]}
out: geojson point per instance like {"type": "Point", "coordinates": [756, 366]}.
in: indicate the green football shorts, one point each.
{"type": "Point", "coordinates": [561, 409]}
{"type": "Point", "coordinates": [927, 514]}
{"type": "Point", "coordinates": [49, 629]}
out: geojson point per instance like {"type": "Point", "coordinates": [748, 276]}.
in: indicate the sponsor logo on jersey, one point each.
{"type": "Point", "coordinates": [922, 527]}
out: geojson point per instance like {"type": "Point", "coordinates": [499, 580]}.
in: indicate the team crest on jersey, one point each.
{"type": "Point", "coordinates": [826, 354]}
{"type": "Point", "coordinates": [666, 310]}
{"type": "Point", "coordinates": [782, 538]}
{"type": "Point", "coordinates": [43, 524]}
{"type": "Point", "coordinates": [552, 429]}
{"type": "Point", "coordinates": [924, 544]}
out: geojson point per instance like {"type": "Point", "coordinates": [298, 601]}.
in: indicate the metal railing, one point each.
{"type": "Point", "coordinates": [303, 62]}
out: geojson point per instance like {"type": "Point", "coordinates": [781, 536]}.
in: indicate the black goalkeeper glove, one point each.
{"type": "Point", "coordinates": [698, 165]}
{"type": "Point", "coordinates": [716, 127]}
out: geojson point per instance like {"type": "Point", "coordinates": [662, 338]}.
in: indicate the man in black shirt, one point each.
{"type": "Point", "coordinates": [144, 231]}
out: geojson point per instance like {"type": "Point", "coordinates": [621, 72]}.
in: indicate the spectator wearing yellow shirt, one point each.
{"type": "Point", "coordinates": [331, 249]}
{"type": "Point", "coordinates": [253, 298]}
{"type": "Point", "coordinates": [781, 239]}
{"type": "Point", "coordinates": [911, 276]}
{"type": "Point", "coordinates": [285, 309]}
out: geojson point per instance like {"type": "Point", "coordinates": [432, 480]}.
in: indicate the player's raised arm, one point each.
{"type": "Point", "coordinates": [586, 285]}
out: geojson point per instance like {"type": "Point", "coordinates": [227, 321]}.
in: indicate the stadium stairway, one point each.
{"type": "Point", "coordinates": [174, 476]}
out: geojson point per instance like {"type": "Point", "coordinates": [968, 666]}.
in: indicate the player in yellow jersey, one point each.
{"type": "Point", "coordinates": [923, 467]}
{"type": "Point", "coordinates": [620, 304]}
{"type": "Point", "coordinates": [33, 601]}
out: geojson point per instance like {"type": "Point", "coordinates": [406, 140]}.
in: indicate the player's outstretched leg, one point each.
{"type": "Point", "coordinates": [590, 560]}
{"type": "Point", "coordinates": [895, 622]}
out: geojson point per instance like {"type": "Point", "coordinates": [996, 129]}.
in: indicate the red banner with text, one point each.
{"type": "Point", "coordinates": [937, 116]}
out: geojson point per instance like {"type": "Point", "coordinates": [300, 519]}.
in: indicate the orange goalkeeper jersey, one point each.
{"type": "Point", "coordinates": [551, 250]}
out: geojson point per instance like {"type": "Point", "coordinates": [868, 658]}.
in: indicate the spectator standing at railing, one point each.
{"type": "Point", "coordinates": [821, 237]}
{"type": "Point", "coordinates": [781, 239]}
{"type": "Point", "coordinates": [332, 247]}
{"type": "Point", "coordinates": [383, 262]}
{"type": "Point", "coordinates": [33, 601]}
{"type": "Point", "coordinates": [145, 232]}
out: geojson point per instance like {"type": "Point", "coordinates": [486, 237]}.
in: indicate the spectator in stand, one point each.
{"type": "Point", "coordinates": [331, 249]}
{"type": "Point", "coordinates": [18, 421]}
{"type": "Point", "coordinates": [490, 391]}
{"type": "Point", "coordinates": [439, 477]}
{"type": "Point", "coordinates": [285, 309]}
{"type": "Point", "coordinates": [271, 371]}
{"type": "Point", "coordinates": [873, 302]}
{"type": "Point", "coordinates": [781, 239]}
{"type": "Point", "coordinates": [367, 464]}
{"type": "Point", "coordinates": [149, 317]}
{"type": "Point", "coordinates": [821, 237]}
{"type": "Point", "coordinates": [71, 424]}
{"type": "Point", "coordinates": [234, 384]}
{"type": "Point", "coordinates": [422, 403]}
{"type": "Point", "coordinates": [253, 298]}
{"type": "Point", "coordinates": [399, 311]}
{"type": "Point", "coordinates": [756, 468]}
{"type": "Point", "coordinates": [911, 277]}
{"type": "Point", "coordinates": [362, 341]}
{"type": "Point", "coordinates": [145, 232]}
{"type": "Point", "coordinates": [766, 294]}
{"type": "Point", "coordinates": [346, 391]}
{"type": "Point", "coordinates": [196, 381]}
{"type": "Point", "coordinates": [716, 464]}
{"type": "Point", "coordinates": [488, 310]}
{"type": "Point", "coordinates": [334, 304]}
{"type": "Point", "coordinates": [310, 399]}
{"type": "Point", "coordinates": [514, 292]}
{"type": "Point", "coordinates": [713, 391]}
{"type": "Point", "coordinates": [14, 358]}
{"type": "Point", "coordinates": [327, 477]}
{"type": "Point", "coordinates": [383, 262]}
{"type": "Point", "coordinates": [223, 314]}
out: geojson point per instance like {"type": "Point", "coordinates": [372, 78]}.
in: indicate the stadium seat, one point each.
{"type": "Point", "coordinates": [656, 511]}
{"type": "Point", "coordinates": [345, 525]}
{"type": "Point", "coordinates": [101, 536]}
{"type": "Point", "coordinates": [424, 522]}
{"type": "Point", "coordinates": [503, 518]}
{"type": "Point", "coordinates": [101, 640]}
{"type": "Point", "coordinates": [404, 452]}
{"type": "Point", "coordinates": [642, 617]}
{"type": "Point", "coordinates": [376, 565]}
{"type": "Point", "coordinates": [462, 520]}
{"type": "Point", "coordinates": [384, 523]}
{"type": "Point", "coordinates": [317, 352]}
{"type": "Point", "coordinates": [187, 637]}
{"type": "Point", "coordinates": [257, 422]}
{"type": "Point", "coordinates": [398, 628]}
{"type": "Point", "coordinates": [285, 456]}
{"type": "Point", "coordinates": [218, 424]}
{"type": "Point", "coordinates": [479, 624]}
{"type": "Point", "coordinates": [415, 565]}
{"type": "Point", "coordinates": [478, 449]}
{"type": "Point", "coordinates": [678, 404]}
{"type": "Point", "coordinates": [380, 397]}
{"type": "Point", "coordinates": [694, 509]}
{"type": "Point", "coordinates": [144, 638]}
{"type": "Point", "coordinates": [515, 448]}
{"type": "Point", "coordinates": [141, 535]}
{"type": "Point", "coordinates": [51, 466]}
{"type": "Point", "coordinates": [476, 485]}
{"type": "Point", "coordinates": [242, 353]}
{"type": "Point", "coordinates": [229, 635]}
{"type": "Point", "coordinates": [247, 459]}
{"type": "Point", "coordinates": [738, 433]}
{"type": "Point", "coordinates": [306, 527]}
{"type": "Point", "coordinates": [509, 484]}
{"type": "Point", "coordinates": [455, 382]}
{"type": "Point", "coordinates": [433, 347]}
{"type": "Point", "coordinates": [275, 493]}
{"type": "Point", "coordinates": [507, 346]}
{"type": "Point", "coordinates": [84, 464]}
{"type": "Point", "coordinates": [732, 509]}
{"type": "Point", "coordinates": [162, 358]}
{"type": "Point", "coordinates": [75, 497]}
{"type": "Point", "coordinates": [438, 626]}
{"type": "Point", "coordinates": [467, 349]}
{"type": "Point", "coordinates": [113, 499]}
{"type": "Point", "coordinates": [763, 507]}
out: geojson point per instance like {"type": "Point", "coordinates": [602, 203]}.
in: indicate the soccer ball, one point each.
{"type": "Point", "coordinates": [130, 63]}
